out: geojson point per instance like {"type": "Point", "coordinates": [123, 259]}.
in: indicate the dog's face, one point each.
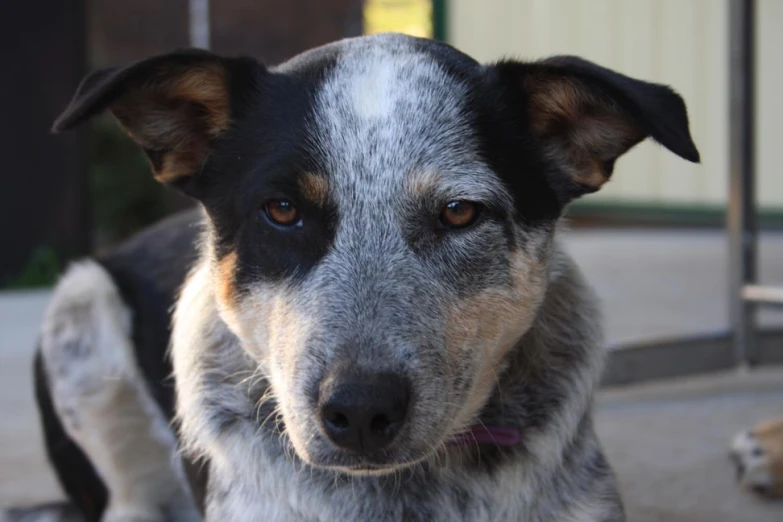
{"type": "Point", "coordinates": [381, 213]}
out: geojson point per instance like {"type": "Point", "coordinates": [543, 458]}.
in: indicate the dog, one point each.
{"type": "Point", "coordinates": [757, 454]}
{"type": "Point", "coordinates": [373, 317]}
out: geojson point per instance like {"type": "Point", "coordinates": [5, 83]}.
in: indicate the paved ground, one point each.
{"type": "Point", "coordinates": [667, 441]}
{"type": "Point", "coordinates": [666, 283]}
{"type": "Point", "coordinates": [24, 476]}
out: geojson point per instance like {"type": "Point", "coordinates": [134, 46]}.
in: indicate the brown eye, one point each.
{"type": "Point", "coordinates": [459, 214]}
{"type": "Point", "coordinates": [282, 212]}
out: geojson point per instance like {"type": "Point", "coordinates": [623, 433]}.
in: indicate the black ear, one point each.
{"type": "Point", "coordinates": [586, 116]}
{"type": "Point", "coordinates": [174, 105]}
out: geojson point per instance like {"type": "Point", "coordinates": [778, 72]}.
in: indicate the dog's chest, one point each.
{"type": "Point", "coordinates": [282, 494]}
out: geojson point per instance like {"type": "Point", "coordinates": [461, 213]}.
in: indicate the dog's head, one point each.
{"type": "Point", "coordinates": [381, 213]}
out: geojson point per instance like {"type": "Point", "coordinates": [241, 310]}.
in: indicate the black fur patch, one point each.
{"type": "Point", "coordinates": [262, 158]}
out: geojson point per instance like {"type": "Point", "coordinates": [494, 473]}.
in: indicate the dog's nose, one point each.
{"type": "Point", "coordinates": [363, 414]}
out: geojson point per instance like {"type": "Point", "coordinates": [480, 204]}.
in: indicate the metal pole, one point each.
{"type": "Point", "coordinates": [741, 214]}
{"type": "Point", "coordinates": [198, 12]}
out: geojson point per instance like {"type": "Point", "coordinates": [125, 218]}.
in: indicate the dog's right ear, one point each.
{"type": "Point", "coordinates": [174, 106]}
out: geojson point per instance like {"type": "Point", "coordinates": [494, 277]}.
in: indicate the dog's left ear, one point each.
{"type": "Point", "coordinates": [586, 116]}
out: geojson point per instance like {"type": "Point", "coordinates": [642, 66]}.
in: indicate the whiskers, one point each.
{"type": "Point", "coordinates": [275, 414]}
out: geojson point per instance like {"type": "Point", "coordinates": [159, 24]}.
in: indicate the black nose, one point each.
{"type": "Point", "coordinates": [363, 413]}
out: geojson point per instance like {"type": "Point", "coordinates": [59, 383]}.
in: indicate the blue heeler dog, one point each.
{"type": "Point", "coordinates": [373, 319]}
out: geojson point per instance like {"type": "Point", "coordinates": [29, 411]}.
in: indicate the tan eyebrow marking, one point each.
{"type": "Point", "coordinates": [315, 188]}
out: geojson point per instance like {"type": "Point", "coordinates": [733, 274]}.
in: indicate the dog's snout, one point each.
{"type": "Point", "coordinates": [363, 414]}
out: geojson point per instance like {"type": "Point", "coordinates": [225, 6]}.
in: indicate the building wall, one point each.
{"type": "Point", "coordinates": [683, 43]}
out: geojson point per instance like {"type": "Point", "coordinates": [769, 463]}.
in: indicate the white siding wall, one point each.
{"type": "Point", "coordinates": [682, 43]}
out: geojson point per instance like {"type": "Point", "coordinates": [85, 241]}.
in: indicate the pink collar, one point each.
{"type": "Point", "coordinates": [480, 434]}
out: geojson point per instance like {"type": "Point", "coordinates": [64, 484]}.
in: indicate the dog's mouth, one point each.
{"type": "Point", "coordinates": [368, 465]}
{"type": "Point", "coordinates": [358, 464]}
{"type": "Point", "coordinates": [404, 454]}
{"type": "Point", "coordinates": [372, 470]}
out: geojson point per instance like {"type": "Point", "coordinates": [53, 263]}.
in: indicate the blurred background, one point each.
{"type": "Point", "coordinates": [675, 250]}
{"type": "Point", "coordinates": [91, 189]}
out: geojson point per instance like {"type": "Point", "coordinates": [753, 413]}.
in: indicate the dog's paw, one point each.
{"type": "Point", "coordinates": [758, 456]}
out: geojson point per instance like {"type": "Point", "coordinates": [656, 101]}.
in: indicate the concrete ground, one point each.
{"type": "Point", "coordinates": [668, 441]}
{"type": "Point", "coordinates": [662, 284]}
{"type": "Point", "coordinates": [24, 475]}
